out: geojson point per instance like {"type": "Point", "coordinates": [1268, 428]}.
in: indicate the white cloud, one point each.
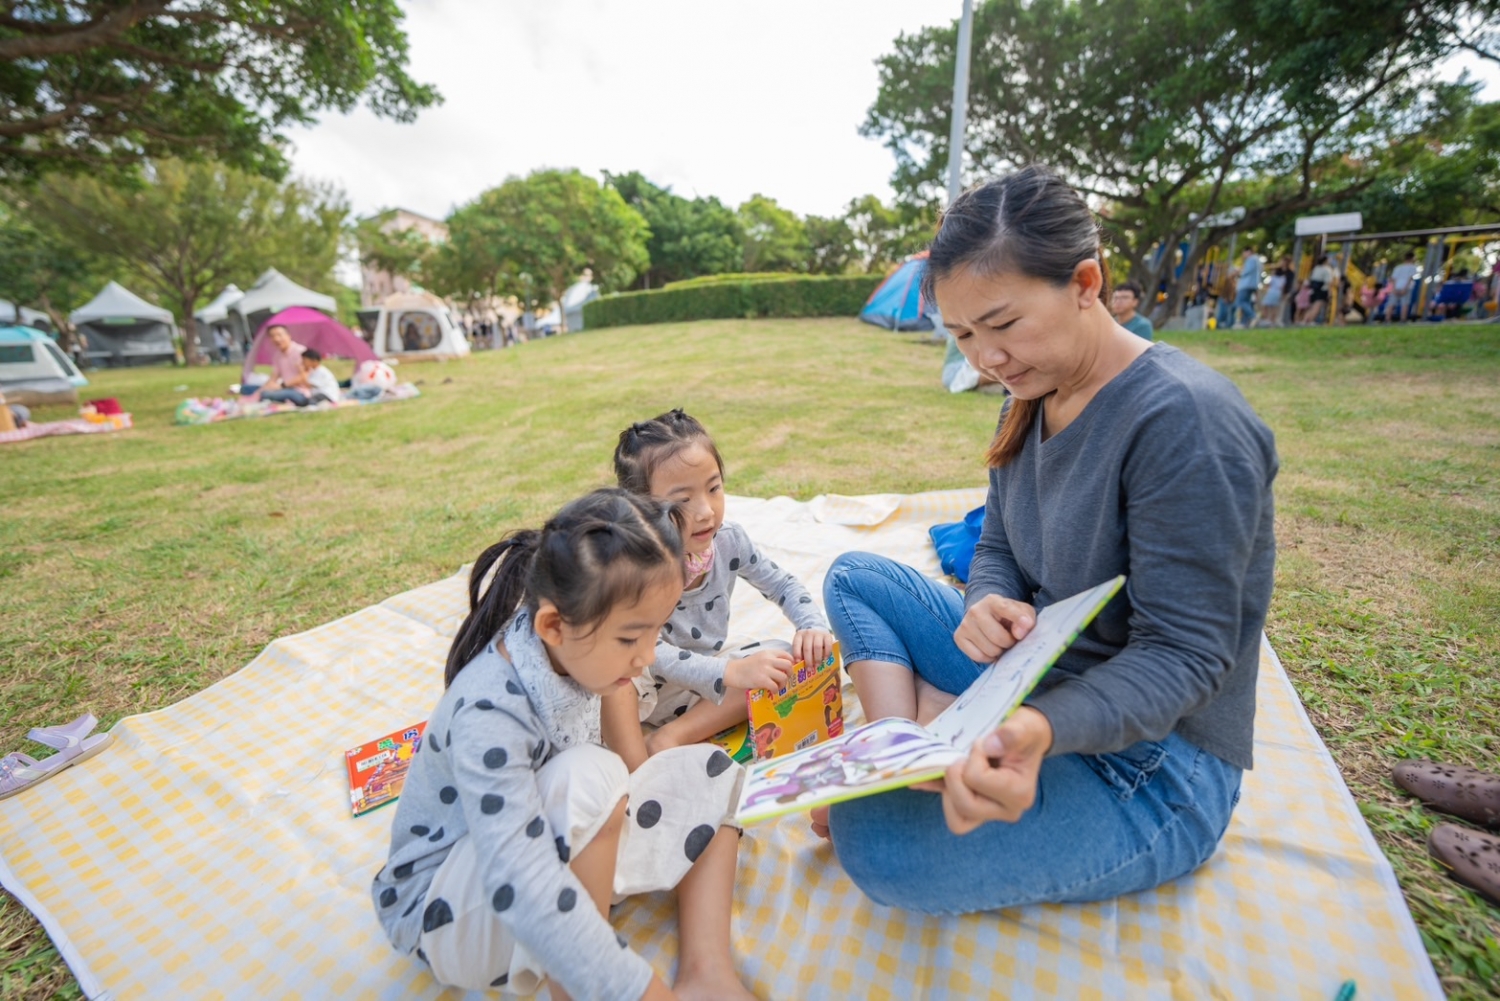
{"type": "Point", "coordinates": [711, 98]}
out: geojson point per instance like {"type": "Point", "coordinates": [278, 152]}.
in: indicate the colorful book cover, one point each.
{"type": "Point", "coordinates": [807, 710]}
{"type": "Point", "coordinates": [377, 770]}
{"type": "Point", "coordinates": [893, 753]}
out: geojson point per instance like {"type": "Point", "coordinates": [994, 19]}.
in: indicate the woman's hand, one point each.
{"type": "Point", "coordinates": [812, 646]}
{"type": "Point", "coordinates": [762, 669]}
{"type": "Point", "coordinates": [993, 625]}
{"type": "Point", "coordinates": [997, 781]}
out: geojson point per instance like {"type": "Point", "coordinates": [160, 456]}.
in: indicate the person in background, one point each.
{"type": "Point", "coordinates": [1402, 276]}
{"type": "Point", "coordinates": [1275, 294]}
{"type": "Point", "coordinates": [1124, 303]}
{"type": "Point", "coordinates": [286, 364]}
{"type": "Point", "coordinates": [1246, 288]}
{"type": "Point", "coordinates": [1318, 282]}
{"type": "Point", "coordinates": [323, 384]}
{"type": "Point", "coordinates": [1226, 289]}
{"type": "Point", "coordinates": [221, 345]}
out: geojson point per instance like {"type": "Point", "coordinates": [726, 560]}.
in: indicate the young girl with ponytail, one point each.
{"type": "Point", "coordinates": [516, 829]}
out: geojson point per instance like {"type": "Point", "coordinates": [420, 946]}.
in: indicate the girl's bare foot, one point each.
{"type": "Point", "coordinates": [714, 985]}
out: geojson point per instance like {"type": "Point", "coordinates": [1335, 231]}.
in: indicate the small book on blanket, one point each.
{"type": "Point", "coordinates": [894, 753]}
{"type": "Point", "coordinates": [377, 770]}
{"type": "Point", "coordinates": [807, 710]}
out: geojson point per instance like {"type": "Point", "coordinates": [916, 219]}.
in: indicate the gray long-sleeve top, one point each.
{"type": "Point", "coordinates": [688, 652]}
{"type": "Point", "coordinates": [475, 775]}
{"type": "Point", "coordinates": [1165, 477]}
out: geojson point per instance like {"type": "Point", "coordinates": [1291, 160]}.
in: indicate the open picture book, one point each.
{"type": "Point", "coordinates": [893, 753]}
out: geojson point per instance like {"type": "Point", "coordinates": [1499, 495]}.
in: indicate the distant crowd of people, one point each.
{"type": "Point", "coordinates": [1246, 295]}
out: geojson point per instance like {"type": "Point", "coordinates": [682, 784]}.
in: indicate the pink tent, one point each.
{"type": "Point", "coordinates": [311, 329]}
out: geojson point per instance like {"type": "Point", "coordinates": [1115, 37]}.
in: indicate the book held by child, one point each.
{"type": "Point", "coordinates": [894, 753]}
{"type": "Point", "coordinates": [807, 710]}
{"type": "Point", "coordinates": [377, 769]}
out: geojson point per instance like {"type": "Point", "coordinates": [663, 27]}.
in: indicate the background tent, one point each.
{"type": "Point", "coordinates": [311, 329]}
{"type": "Point", "coordinates": [23, 317]}
{"type": "Point", "coordinates": [897, 303]}
{"type": "Point", "coordinates": [417, 325]}
{"type": "Point", "coordinates": [33, 371]}
{"type": "Point", "coordinates": [273, 292]}
{"type": "Point", "coordinates": [118, 327]}
{"type": "Point", "coordinates": [216, 316]}
{"type": "Point", "coordinates": [574, 297]}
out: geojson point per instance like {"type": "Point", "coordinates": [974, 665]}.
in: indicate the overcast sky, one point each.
{"type": "Point", "coordinates": [711, 98]}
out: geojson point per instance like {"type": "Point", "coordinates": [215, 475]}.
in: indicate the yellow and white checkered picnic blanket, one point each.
{"type": "Point", "coordinates": [209, 852]}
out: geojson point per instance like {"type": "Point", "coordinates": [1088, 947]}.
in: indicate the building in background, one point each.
{"type": "Point", "coordinates": [375, 284]}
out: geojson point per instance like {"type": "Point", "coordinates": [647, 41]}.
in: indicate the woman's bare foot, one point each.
{"type": "Point", "coordinates": [931, 701]}
{"type": "Point", "coordinates": [710, 985]}
{"type": "Point", "coordinates": [819, 815]}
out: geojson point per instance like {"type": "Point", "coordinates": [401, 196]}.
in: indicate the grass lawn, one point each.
{"type": "Point", "coordinates": [139, 567]}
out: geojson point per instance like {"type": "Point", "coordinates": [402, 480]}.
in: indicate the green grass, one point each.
{"type": "Point", "coordinates": [139, 567]}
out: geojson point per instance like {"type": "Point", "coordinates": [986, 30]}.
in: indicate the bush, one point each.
{"type": "Point", "coordinates": [738, 276]}
{"type": "Point", "coordinates": [747, 298]}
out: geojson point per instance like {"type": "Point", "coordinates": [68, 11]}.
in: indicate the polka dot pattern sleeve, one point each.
{"type": "Point", "coordinates": [778, 586]}
{"type": "Point", "coordinates": [494, 755]}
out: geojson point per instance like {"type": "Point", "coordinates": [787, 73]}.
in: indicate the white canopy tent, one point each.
{"type": "Point", "coordinates": [118, 328]}
{"type": "Point", "coordinates": [273, 292]}
{"type": "Point", "coordinates": [415, 325]}
{"type": "Point", "coordinates": [216, 315]}
{"type": "Point", "coordinates": [573, 299]}
{"type": "Point", "coordinates": [23, 317]}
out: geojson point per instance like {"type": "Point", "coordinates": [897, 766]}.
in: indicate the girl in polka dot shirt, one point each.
{"type": "Point", "coordinates": [516, 829]}
{"type": "Point", "coordinates": [696, 687]}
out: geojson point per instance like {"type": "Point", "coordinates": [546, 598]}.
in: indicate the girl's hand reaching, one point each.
{"type": "Point", "coordinates": [811, 646]}
{"type": "Point", "coordinates": [762, 669]}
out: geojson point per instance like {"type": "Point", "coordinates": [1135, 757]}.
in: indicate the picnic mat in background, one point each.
{"type": "Point", "coordinates": [73, 425]}
{"type": "Point", "coordinates": [209, 852]}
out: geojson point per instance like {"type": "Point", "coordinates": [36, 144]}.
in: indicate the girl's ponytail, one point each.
{"type": "Point", "coordinates": [490, 609]}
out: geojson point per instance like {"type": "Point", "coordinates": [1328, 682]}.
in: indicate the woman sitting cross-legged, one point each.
{"type": "Point", "coordinates": [1115, 455]}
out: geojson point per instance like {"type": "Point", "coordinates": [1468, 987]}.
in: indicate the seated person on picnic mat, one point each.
{"type": "Point", "coordinates": [315, 384]}
{"type": "Point", "coordinates": [1114, 456]}
{"type": "Point", "coordinates": [286, 363]}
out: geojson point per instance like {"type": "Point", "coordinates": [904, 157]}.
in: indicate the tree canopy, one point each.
{"type": "Point", "coordinates": [1158, 109]}
{"type": "Point", "coordinates": [689, 236]}
{"type": "Point", "coordinates": [104, 83]}
{"type": "Point", "coordinates": [533, 235]}
{"type": "Point", "coordinates": [775, 239]}
{"type": "Point", "coordinates": [184, 229]}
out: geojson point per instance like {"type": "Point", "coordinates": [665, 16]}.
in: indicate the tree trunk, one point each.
{"type": "Point", "coordinates": [190, 332]}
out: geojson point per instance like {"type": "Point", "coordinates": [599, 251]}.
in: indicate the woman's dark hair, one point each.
{"type": "Point", "coordinates": [645, 445]}
{"type": "Point", "coordinates": [598, 551]}
{"type": "Point", "coordinates": [1027, 223]}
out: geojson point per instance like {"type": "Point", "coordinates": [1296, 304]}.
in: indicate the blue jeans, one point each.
{"type": "Point", "coordinates": [295, 396]}
{"type": "Point", "coordinates": [1224, 314]}
{"type": "Point", "coordinates": [1244, 305]}
{"type": "Point", "coordinates": [1103, 825]}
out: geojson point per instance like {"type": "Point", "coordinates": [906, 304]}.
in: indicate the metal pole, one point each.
{"type": "Point", "coordinates": [960, 102]}
{"type": "Point", "coordinates": [1289, 310]}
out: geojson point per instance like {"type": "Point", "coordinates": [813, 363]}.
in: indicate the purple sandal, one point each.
{"type": "Point", "coordinates": [21, 771]}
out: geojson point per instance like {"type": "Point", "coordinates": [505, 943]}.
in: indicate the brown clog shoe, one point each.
{"type": "Point", "coordinates": [1473, 856]}
{"type": "Point", "coordinates": [1454, 789]}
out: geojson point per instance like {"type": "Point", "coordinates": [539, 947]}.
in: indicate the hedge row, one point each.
{"type": "Point", "coordinates": [840, 295]}
{"type": "Point", "coordinates": [737, 276]}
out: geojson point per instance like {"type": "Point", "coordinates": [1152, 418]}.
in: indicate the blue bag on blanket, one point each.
{"type": "Point", "coordinates": [955, 543]}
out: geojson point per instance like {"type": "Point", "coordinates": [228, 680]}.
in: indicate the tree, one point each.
{"type": "Point", "coordinates": [886, 235]}
{"type": "Point", "coordinates": [689, 237]}
{"type": "Point", "coordinates": [397, 252]}
{"type": "Point", "coordinates": [1156, 109]}
{"type": "Point", "coordinates": [533, 235]}
{"type": "Point", "coordinates": [830, 246]}
{"type": "Point", "coordinates": [775, 239]}
{"type": "Point", "coordinates": [41, 270]}
{"type": "Point", "coordinates": [106, 83]}
{"type": "Point", "coordinates": [184, 230]}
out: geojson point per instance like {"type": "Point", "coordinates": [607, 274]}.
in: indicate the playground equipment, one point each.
{"type": "Point", "coordinates": [1437, 261]}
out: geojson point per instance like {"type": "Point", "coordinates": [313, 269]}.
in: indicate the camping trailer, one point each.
{"type": "Point", "coordinates": [119, 328]}
{"type": "Point", "coordinates": [416, 326]}
{"type": "Point", "coordinates": [33, 371]}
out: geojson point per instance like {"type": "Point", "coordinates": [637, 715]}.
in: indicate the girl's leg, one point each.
{"type": "Point", "coordinates": [702, 720]}
{"type": "Point", "coordinates": [705, 965]}
{"type": "Point", "coordinates": [595, 869]}
{"type": "Point", "coordinates": [1102, 826]}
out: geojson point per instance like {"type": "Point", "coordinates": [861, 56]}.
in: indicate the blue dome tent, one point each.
{"type": "Point", "coordinates": [897, 303]}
